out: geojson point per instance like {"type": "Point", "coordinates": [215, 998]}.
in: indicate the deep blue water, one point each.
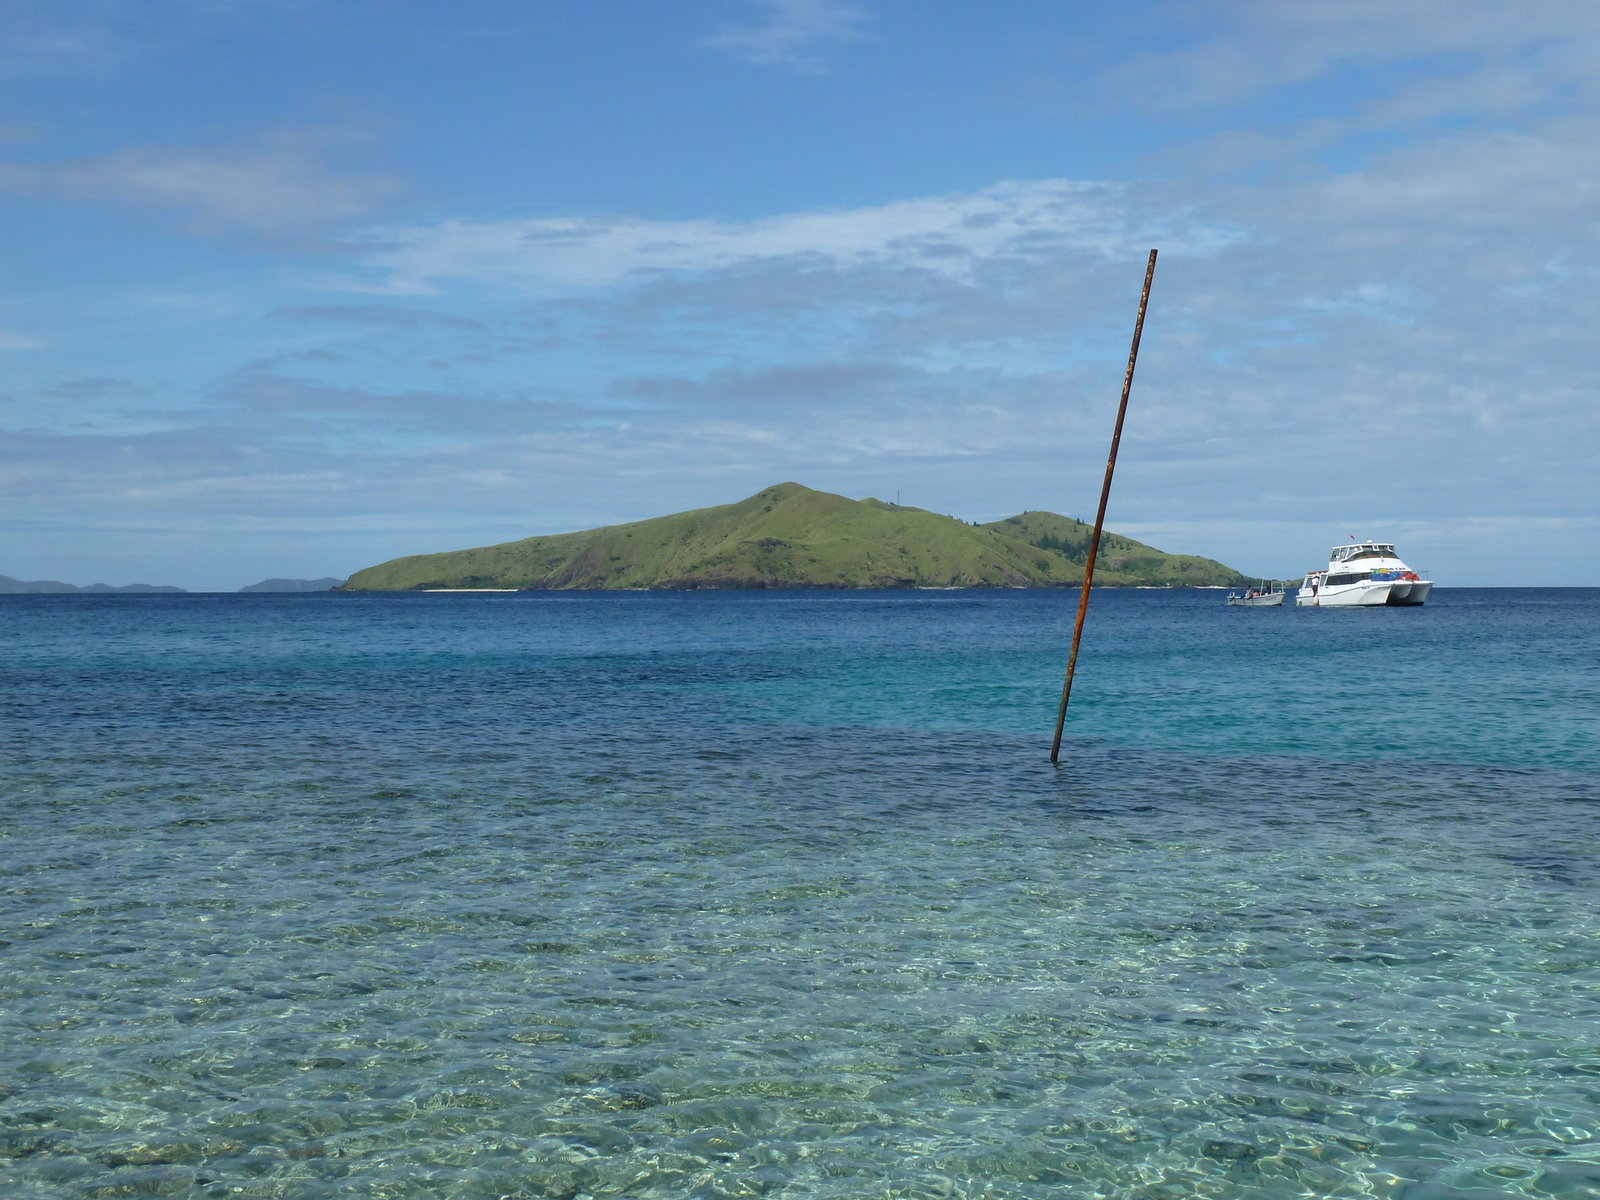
{"type": "Point", "coordinates": [728, 894]}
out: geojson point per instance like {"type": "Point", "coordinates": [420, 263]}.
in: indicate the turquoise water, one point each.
{"type": "Point", "coordinates": [739, 895]}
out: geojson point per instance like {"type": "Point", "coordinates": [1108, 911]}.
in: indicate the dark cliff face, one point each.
{"type": "Point", "coordinates": [789, 536]}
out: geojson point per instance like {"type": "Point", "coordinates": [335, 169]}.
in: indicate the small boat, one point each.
{"type": "Point", "coordinates": [1363, 575]}
{"type": "Point", "coordinates": [1268, 595]}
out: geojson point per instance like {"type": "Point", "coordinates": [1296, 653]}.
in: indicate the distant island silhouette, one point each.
{"type": "Point", "coordinates": [326, 584]}
{"type": "Point", "coordinates": [10, 586]}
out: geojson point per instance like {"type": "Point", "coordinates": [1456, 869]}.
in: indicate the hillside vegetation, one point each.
{"type": "Point", "coordinates": [1122, 561]}
{"type": "Point", "coordinates": [790, 536]}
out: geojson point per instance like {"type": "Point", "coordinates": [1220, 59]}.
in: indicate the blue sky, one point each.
{"type": "Point", "coordinates": [292, 288]}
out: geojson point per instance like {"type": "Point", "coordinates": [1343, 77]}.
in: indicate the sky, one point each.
{"type": "Point", "coordinates": [289, 288]}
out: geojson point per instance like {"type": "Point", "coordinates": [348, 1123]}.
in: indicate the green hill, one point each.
{"type": "Point", "coordinates": [1122, 560]}
{"type": "Point", "coordinates": [789, 536]}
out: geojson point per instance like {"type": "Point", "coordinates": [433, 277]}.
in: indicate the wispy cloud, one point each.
{"type": "Point", "coordinates": [94, 38]}
{"type": "Point", "coordinates": [378, 316]}
{"type": "Point", "coordinates": [792, 33]}
{"type": "Point", "coordinates": [947, 235]}
{"type": "Point", "coordinates": [15, 339]}
{"type": "Point", "coordinates": [1460, 56]}
{"type": "Point", "coordinates": [59, 38]}
{"type": "Point", "coordinates": [13, 132]}
{"type": "Point", "coordinates": [277, 185]}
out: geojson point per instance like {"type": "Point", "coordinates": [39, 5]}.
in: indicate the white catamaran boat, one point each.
{"type": "Point", "coordinates": [1363, 575]}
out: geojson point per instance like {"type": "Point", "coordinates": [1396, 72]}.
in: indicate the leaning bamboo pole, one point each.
{"type": "Point", "coordinates": [1100, 515]}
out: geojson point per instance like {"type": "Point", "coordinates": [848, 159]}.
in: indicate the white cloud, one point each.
{"type": "Point", "coordinates": [1471, 54]}
{"type": "Point", "coordinates": [12, 339]}
{"type": "Point", "coordinates": [277, 185]}
{"type": "Point", "coordinates": [88, 38]}
{"type": "Point", "coordinates": [379, 316]}
{"type": "Point", "coordinates": [791, 33]}
{"type": "Point", "coordinates": [946, 235]}
{"type": "Point", "coordinates": [1514, 181]}
{"type": "Point", "coordinates": [62, 38]}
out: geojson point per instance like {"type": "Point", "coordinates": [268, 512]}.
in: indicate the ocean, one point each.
{"type": "Point", "coordinates": [776, 894]}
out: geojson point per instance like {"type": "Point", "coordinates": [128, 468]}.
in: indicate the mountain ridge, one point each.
{"type": "Point", "coordinates": [50, 587]}
{"type": "Point", "coordinates": [791, 536]}
{"type": "Point", "coordinates": [280, 584]}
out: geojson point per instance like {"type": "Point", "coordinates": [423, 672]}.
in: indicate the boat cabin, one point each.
{"type": "Point", "coordinates": [1344, 554]}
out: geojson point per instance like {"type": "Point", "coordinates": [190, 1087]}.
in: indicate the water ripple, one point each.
{"type": "Point", "coordinates": [453, 940]}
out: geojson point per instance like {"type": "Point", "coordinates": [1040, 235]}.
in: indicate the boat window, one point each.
{"type": "Point", "coordinates": [1339, 580]}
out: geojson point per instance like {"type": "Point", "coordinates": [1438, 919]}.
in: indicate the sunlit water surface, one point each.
{"type": "Point", "coordinates": [739, 895]}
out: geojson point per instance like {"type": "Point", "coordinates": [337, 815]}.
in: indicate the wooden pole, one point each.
{"type": "Point", "coordinates": [1100, 516]}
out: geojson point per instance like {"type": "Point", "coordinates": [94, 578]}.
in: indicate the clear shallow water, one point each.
{"type": "Point", "coordinates": [733, 895]}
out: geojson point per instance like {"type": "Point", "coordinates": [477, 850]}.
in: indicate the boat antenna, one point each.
{"type": "Point", "coordinates": [1100, 515]}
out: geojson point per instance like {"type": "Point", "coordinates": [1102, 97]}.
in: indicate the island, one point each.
{"type": "Point", "coordinates": [790, 536]}
{"type": "Point", "coordinates": [326, 584]}
{"type": "Point", "coordinates": [44, 587]}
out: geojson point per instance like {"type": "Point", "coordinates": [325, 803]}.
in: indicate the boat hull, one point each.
{"type": "Point", "coordinates": [1410, 594]}
{"type": "Point", "coordinates": [1399, 593]}
{"type": "Point", "coordinates": [1272, 601]}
